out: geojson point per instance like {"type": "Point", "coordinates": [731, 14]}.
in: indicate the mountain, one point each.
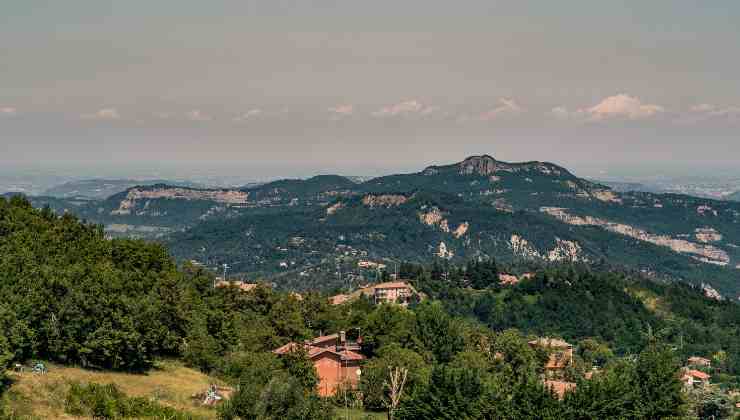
{"type": "Point", "coordinates": [734, 196]}
{"type": "Point", "coordinates": [100, 189]}
{"type": "Point", "coordinates": [622, 186]}
{"type": "Point", "coordinates": [296, 232]}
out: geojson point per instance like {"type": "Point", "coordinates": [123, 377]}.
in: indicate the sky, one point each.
{"type": "Point", "coordinates": [294, 88]}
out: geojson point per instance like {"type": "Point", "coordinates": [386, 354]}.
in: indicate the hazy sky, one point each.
{"type": "Point", "coordinates": [276, 87]}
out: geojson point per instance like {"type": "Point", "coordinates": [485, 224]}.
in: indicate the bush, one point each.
{"type": "Point", "coordinates": [108, 402]}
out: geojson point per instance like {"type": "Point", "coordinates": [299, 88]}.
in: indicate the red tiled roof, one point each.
{"type": "Point", "coordinates": [507, 279]}
{"type": "Point", "coordinates": [550, 342]}
{"type": "Point", "coordinates": [351, 355]}
{"type": "Point", "coordinates": [287, 348]}
{"type": "Point", "coordinates": [338, 299]}
{"type": "Point", "coordinates": [697, 374]}
{"type": "Point", "coordinates": [324, 338]}
{"type": "Point", "coordinates": [245, 287]}
{"type": "Point", "coordinates": [392, 285]}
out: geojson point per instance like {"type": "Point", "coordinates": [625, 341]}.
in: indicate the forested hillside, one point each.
{"type": "Point", "coordinates": [579, 303]}
{"type": "Point", "coordinates": [74, 297]}
{"type": "Point", "coordinates": [297, 231]}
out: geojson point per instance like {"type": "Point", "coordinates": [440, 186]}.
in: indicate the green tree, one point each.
{"type": "Point", "coordinates": [285, 398]}
{"type": "Point", "coordinates": [431, 319]}
{"type": "Point", "coordinates": [375, 374]}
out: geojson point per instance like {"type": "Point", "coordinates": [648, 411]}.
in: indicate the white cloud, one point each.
{"type": "Point", "coordinates": [706, 112]}
{"type": "Point", "coordinates": [560, 112]}
{"type": "Point", "coordinates": [342, 109]}
{"type": "Point", "coordinates": [251, 114]}
{"type": "Point", "coordinates": [507, 107]}
{"type": "Point", "coordinates": [406, 108]}
{"type": "Point", "coordinates": [340, 112]}
{"type": "Point", "coordinates": [103, 114]}
{"type": "Point", "coordinates": [622, 106]}
{"type": "Point", "coordinates": [197, 115]}
{"type": "Point", "coordinates": [8, 110]}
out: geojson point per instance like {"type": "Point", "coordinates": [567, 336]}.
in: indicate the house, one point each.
{"type": "Point", "coordinates": [559, 388]}
{"type": "Point", "coordinates": [399, 292]}
{"type": "Point", "coordinates": [561, 354]}
{"type": "Point", "coordinates": [391, 292]}
{"type": "Point", "coordinates": [695, 378]}
{"type": "Point", "coordinates": [370, 265]}
{"type": "Point", "coordinates": [507, 279]}
{"type": "Point", "coordinates": [699, 361]}
{"type": "Point", "coordinates": [338, 299]}
{"type": "Point", "coordinates": [244, 287]}
{"type": "Point", "coordinates": [336, 359]}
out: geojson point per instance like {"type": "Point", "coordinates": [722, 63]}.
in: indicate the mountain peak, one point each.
{"type": "Point", "coordinates": [482, 165]}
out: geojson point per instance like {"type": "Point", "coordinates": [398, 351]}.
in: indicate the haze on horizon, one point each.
{"type": "Point", "coordinates": [292, 88]}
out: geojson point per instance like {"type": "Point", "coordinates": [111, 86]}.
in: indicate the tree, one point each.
{"type": "Point", "coordinates": [711, 403]}
{"type": "Point", "coordinates": [594, 352]}
{"type": "Point", "coordinates": [657, 372]}
{"type": "Point", "coordinates": [252, 372]}
{"type": "Point", "coordinates": [300, 367]}
{"type": "Point", "coordinates": [452, 394]}
{"type": "Point", "coordinates": [396, 382]}
{"type": "Point", "coordinates": [431, 319]}
{"type": "Point", "coordinates": [720, 360]}
{"type": "Point", "coordinates": [285, 398]}
{"type": "Point", "coordinates": [388, 324]}
{"type": "Point", "coordinates": [375, 373]}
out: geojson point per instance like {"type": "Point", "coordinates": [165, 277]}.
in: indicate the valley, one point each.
{"type": "Point", "coordinates": [297, 232]}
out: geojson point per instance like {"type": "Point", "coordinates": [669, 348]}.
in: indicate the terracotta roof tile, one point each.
{"type": "Point", "coordinates": [550, 342]}
{"type": "Point", "coordinates": [697, 374]}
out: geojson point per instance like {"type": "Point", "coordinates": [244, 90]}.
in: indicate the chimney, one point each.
{"type": "Point", "coordinates": [342, 339]}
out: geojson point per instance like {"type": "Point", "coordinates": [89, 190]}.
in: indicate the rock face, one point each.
{"type": "Point", "coordinates": [705, 253]}
{"type": "Point", "coordinates": [706, 235]}
{"type": "Point", "coordinates": [461, 230]}
{"type": "Point", "coordinates": [334, 208]}
{"type": "Point", "coordinates": [220, 196]}
{"type": "Point", "coordinates": [443, 252]}
{"type": "Point", "coordinates": [606, 196]}
{"type": "Point", "coordinates": [481, 165]}
{"type": "Point", "coordinates": [567, 251]}
{"type": "Point", "coordinates": [434, 217]}
{"type": "Point", "coordinates": [710, 292]}
{"type": "Point", "coordinates": [384, 200]}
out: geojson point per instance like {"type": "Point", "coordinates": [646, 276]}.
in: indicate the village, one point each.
{"type": "Point", "coordinates": [338, 359]}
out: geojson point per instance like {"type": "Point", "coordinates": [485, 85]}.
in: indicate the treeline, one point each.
{"type": "Point", "coordinates": [578, 302]}
{"type": "Point", "coordinates": [69, 294]}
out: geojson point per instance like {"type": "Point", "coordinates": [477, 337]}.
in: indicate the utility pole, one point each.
{"type": "Point", "coordinates": [225, 266]}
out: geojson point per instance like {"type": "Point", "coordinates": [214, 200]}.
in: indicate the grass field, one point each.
{"type": "Point", "coordinates": [35, 396]}
{"type": "Point", "coordinates": [354, 414]}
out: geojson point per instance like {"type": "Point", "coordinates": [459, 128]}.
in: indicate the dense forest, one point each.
{"type": "Point", "coordinates": [69, 294]}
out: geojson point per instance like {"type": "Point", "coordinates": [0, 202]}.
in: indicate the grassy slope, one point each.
{"type": "Point", "coordinates": [42, 396]}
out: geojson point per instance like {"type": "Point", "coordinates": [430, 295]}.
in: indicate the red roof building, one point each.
{"type": "Point", "coordinates": [693, 378]}
{"type": "Point", "coordinates": [337, 361]}
{"type": "Point", "coordinates": [561, 354]}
